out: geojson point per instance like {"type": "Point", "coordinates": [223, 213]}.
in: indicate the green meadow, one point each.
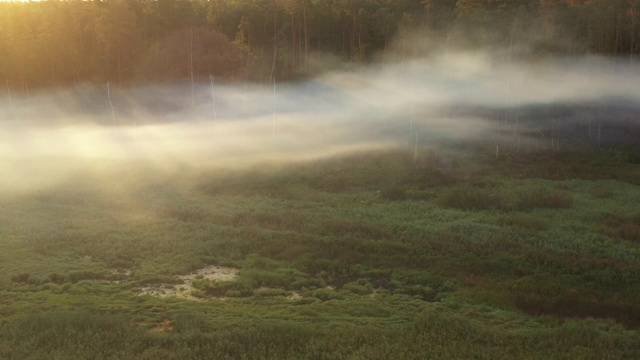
{"type": "Point", "coordinates": [363, 256]}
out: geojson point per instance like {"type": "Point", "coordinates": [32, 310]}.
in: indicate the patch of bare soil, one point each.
{"type": "Point", "coordinates": [165, 326]}
{"type": "Point", "coordinates": [185, 290]}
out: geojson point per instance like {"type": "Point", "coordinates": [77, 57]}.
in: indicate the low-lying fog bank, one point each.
{"type": "Point", "coordinates": [447, 99]}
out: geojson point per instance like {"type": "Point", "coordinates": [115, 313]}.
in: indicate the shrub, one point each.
{"type": "Point", "coordinates": [470, 198]}
{"type": "Point", "coordinates": [235, 288]}
{"type": "Point", "coordinates": [305, 301]}
{"type": "Point", "coordinates": [312, 283]}
{"type": "Point", "coordinates": [266, 278]}
{"type": "Point", "coordinates": [57, 278]}
{"type": "Point", "coordinates": [198, 293]}
{"type": "Point", "coordinates": [201, 284]}
{"type": "Point", "coordinates": [358, 288]}
{"type": "Point", "coordinates": [394, 193]}
{"type": "Point", "coordinates": [267, 292]}
{"type": "Point", "coordinates": [575, 305]}
{"type": "Point", "coordinates": [85, 275]}
{"type": "Point", "coordinates": [621, 227]}
{"type": "Point", "coordinates": [524, 222]}
{"type": "Point", "coordinates": [430, 177]}
{"type": "Point", "coordinates": [327, 294]}
{"type": "Point", "coordinates": [24, 278]}
{"type": "Point", "coordinates": [602, 193]}
{"type": "Point", "coordinates": [425, 293]}
{"type": "Point", "coordinates": [544, 199]}
{"type": "Point", "coordinates": [234, 293]}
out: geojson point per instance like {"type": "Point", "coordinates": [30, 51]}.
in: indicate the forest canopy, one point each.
{"type": "Point", "coordinates": [126, 42]}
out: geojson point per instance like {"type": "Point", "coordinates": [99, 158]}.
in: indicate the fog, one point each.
{"type": "Point", "coordinates": [450, 98]}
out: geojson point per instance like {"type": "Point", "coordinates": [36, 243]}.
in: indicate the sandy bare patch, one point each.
{"type": "Point", "coordinates": [118, 276]}
{"type": "Point", "coordinates": [185, 290]}
{"type": "Point", "coordinates": [165, 326]}
{"type": "Point", "coordinates": [217, 273]}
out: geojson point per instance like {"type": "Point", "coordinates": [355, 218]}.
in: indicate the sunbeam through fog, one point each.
{"type": "Point", "coordinates": [453, 97]}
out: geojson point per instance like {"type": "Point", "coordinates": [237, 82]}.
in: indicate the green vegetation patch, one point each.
{"type": "Point", "coordinates": [359, 257]}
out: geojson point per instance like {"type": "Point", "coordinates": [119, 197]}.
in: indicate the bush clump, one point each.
{"type": "Point", "coordinates": [360, 287]}
{"type": "Point", "coordinates": [621, 227]}
{"type": "Point", "coordinates": [470, 198]}
{"type": "Point", "coordinates": [546, 200]}
{"type": "Point", "coordinates": [394, 193]}
{"type": "Point", "coordinates": [327, 294]}
{"type": "Point", "coordinates": [25, 278]}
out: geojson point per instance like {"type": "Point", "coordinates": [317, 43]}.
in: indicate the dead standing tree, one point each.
{"type": "Point", "coordinates": [107, 89]}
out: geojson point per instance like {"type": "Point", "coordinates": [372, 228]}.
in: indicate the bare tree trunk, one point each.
{"type": "Point", "coordinates": [632, 50]}
{"type": "Point", "coordinates": [273, 125]}
{"type": "Point", "coordinates": [107, 89]}
{"type": "Point", "coordinates": [118, 64]}
{"type": "Point", "coordinates": [386, 42]}
{"type": "Point", "coordinates": [589, 129]}
{"type": "Point", "coordinates": [553, 145]}
{"type": "Point", "coordinates": [435, 157]}
{"type": "Point", "coordinates": [306, 35]}
{"type": "Point", "coordinates": [213, 95]}
{"type": "Point", "coordinates": [411, 117]}
{"type": "Point", "coordinates": [516, 136]}
{"type": "Point", "coordinates": [10, 97]}
{"type": "Point", "coordinates": [26, 86]}
{"type": "Point", "coordinates": [275, 46]}
{"type": "Point", "coordinates": [513, 32]}
{"type": "Point", "coordinates": [557, 136]}
{"type": "Point", "coordinates": [353, 33]}
{"type": "Point", "coordinates": [415, 150]}
{"type": "Point", "coordinates": [293, 43]}
{"type": "Point", "coordinates": [193, 96]}
{"type": "Point", "coordinates": [599, 133]}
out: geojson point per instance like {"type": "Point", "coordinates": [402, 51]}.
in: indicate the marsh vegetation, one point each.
{"type": "Point", "coordinates": [337, 259]}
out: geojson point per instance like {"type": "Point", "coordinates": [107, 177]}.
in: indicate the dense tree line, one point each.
{"type": "Point", "coordinates": [59, 43]}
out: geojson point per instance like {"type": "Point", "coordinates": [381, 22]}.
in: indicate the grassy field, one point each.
{"type": "Point", "coordinates": [365, 256]}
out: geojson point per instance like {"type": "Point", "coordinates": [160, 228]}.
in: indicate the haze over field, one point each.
{"type": "Point", "coordinates": [452, 97]}
{"type": "Point", "coordinates": [303, 179]}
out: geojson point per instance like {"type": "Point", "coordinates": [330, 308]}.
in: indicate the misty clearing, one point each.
{"type": "Point", "coordinates": [309, 179]}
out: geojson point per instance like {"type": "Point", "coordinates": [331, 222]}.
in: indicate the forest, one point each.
{"type": "Point", "coordinates": [127, 42]}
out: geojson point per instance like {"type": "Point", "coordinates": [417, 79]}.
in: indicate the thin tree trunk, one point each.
{"type": "Point", "coordinates": [632, 45]}
{"type": "Point", "coordinates": [213, 95]}
{"type": "Point", "coordinates": [513, 32]}
{"type": "Point", "coordinates": [411, 117]}
{"type": "Point", "coordinates": [293, 42]}
{"type": "Point", "coordinates": [384, 50]}
{"type": "Point", "coordinates": [599, 133]}
{"type": "Point", "coordinates": [415, 150]}
{"type": "Point", "coordinates": [273, 125]}
{"type": "Point", "coordinates": [193, 96]}
{"type": "Point", "coordinates": [10, 97]}
{"type": "Point", "coordinates": [113, 112]}
{"type": "Point", "coordinates": [515, 132]}
{"type": "Point", "coordinates": [119, 70]}
{"type": "Point", "coordinates": [26, 86]}
{"type": "Point", "coordinates": [435, 157]}
{"type": "Point", "coordinates": [275, 46]}
{"type": "Point", "coordinates": [306, 35]}
{"type": "Point", "coordinates": [557, 136]}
